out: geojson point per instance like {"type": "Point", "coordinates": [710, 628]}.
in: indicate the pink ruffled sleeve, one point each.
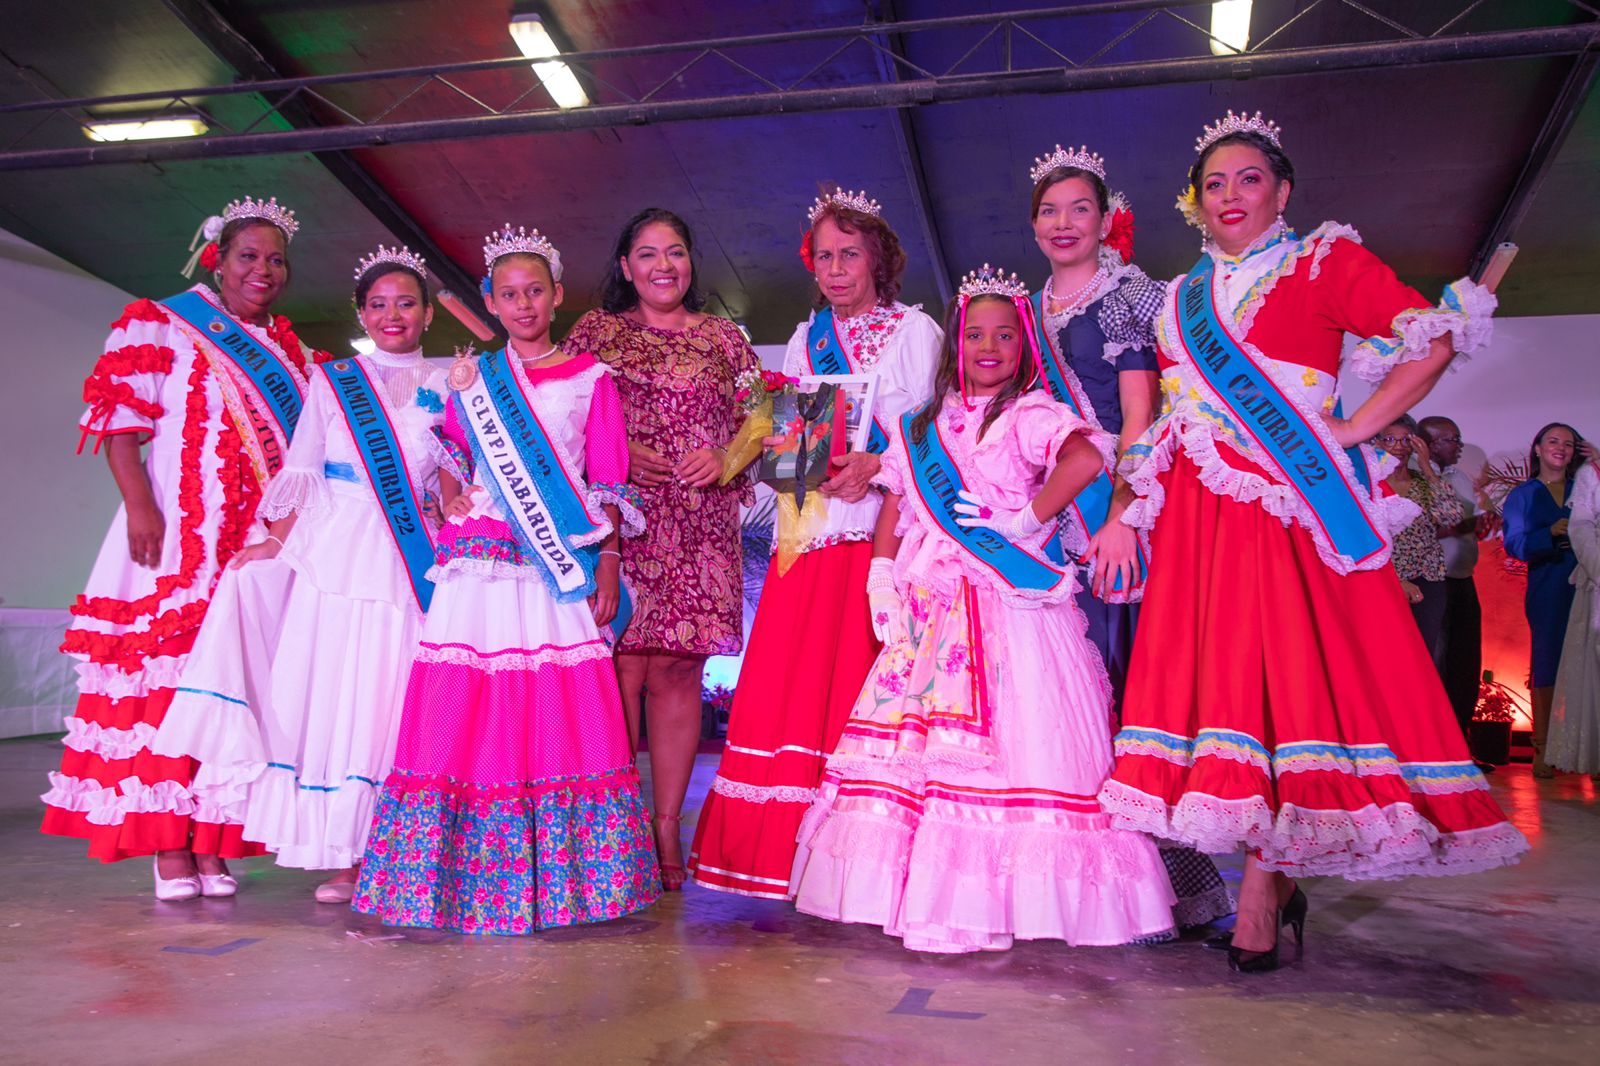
{"type": "Point", "coordinates": [606, 435]}
{"type": "Point", "coordinates": [1043, 426]}
{"type": "Point", "coordinates": [453, 431]}
{"type": "Point", "coordinates": [449, 445]}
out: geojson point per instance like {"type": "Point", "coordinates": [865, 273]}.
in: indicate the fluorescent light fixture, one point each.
{"type": "Point", "coordinates": [535, 42]}
{"type": "Point", "coordinates": [363, 345]}
{"type": "Point", "coordinates": [146, 129]}
{"type": "Point", "coordinates": [1230, 27]}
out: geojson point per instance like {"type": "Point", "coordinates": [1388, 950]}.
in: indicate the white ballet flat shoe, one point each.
{"type": "Point", "coordinates": [218, 885]}
{"type": "Point", "coordinates": [335, 891]}
{"type": "Point", "coordinates": [176, 889]}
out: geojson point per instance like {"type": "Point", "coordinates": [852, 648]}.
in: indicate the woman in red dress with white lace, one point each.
{"type": "Point", "coordinates": [188, 505]}
{"type": "Point", "coordinates": [812, 646]}
{"type": "Point", "coordinates": [1253, 717]}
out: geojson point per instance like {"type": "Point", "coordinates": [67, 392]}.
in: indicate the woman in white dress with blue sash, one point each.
{"type": "Point", "coordinates": [291, 699]}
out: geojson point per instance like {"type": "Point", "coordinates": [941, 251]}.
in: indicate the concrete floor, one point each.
{"type": "Point", "coordinates": [1496, 968]}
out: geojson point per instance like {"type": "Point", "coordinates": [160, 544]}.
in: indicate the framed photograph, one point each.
{"type": "Point", "coordinates": [859, 395]}
{"type": "Point", "coordinates": [807, 421]}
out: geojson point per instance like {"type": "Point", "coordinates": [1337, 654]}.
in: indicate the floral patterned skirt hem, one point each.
{"type": "Point", "coordinates": [509, 858]}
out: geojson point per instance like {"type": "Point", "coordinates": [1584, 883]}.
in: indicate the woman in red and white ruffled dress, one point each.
{"type": "Point", "coordinates": [188, 504]}
{"type": "Point", "coordinates": [812, 645]}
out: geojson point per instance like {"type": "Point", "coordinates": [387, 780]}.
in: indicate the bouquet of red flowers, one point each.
{"type": "Point", "coordinates": [754, 390]}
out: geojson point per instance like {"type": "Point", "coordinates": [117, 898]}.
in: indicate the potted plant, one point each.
{"type": "Point", "coordinates": [715, 704]}
{"type": "Point", "coordinates": [1489, 735]}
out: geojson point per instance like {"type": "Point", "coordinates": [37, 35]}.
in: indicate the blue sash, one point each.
{"type": "Point", "coordinates": [624, 616]}
{"type": "Point", "coordinates": [827, 356]}
{"type": "Point", "coordinates": [1091, 506]}
{"type": "Point", "coordinates": [1267, 419]}
{"type": "Point", "coordinates": [275, 385]}
{"type": "Point", "coordinates": [938, 482]}
{"type": "Point", "coordinates": [524, 470]}
{"type": "Point", "coordinates": [379, 447]}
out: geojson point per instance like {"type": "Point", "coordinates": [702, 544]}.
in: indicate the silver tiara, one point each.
{"type": "Point", "coordinates": [1082, 159]}
{"type": "Point", "coordinates": [1238, 124]}
{"type": "Point", "coordinates": [992, 281]}
{"type": "Point", "coordinates": [265, 210]}
{"type": "Point", "coordinates": [508, 240]}
{"type": "Point", "coordinates": [850, 201]}
{"type": "Point", "coordinates": [402, 255]}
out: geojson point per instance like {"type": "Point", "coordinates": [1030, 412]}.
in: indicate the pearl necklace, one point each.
{"type": "Point", "coordinates": [1067, 304]}
{"type": "Point", "coordinates": [529, 359]}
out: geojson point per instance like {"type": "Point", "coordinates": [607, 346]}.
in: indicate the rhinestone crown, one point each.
{"type": "Point", "coordinates": [992, 281]}
{"type": "Point", "coordinates": [508, 240]}
{"type": "Point", "coordinates": [1082, 159]}
{"type": "Point", "coordinates": [402, 255]}
{"type": "Point", "coordinates": [265, 210]}
{"type": "Point", "coordinates": [1238, 124]}
{"type": "Point", "coordinates": [849, 200]}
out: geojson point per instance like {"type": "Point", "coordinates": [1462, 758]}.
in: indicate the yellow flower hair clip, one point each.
{"type": "Point", "coordinates": [1188, 206]}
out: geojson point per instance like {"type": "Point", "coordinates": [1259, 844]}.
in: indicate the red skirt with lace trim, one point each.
{"type": "Point", "coordinates": [811, 648]}
{"type": "Point", "coordinates": [1276, 705]}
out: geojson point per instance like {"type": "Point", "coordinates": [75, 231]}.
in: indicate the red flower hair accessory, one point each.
{"type": "Point", "coordinates": [1120, 238]}
{"type": "Point", "coordinates": [805, 253]}
{"type": "Point", "coordinates": [210, 256]}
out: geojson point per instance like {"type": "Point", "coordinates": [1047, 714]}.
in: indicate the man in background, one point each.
{"type": "Point", "coordinates": [1463, 617]}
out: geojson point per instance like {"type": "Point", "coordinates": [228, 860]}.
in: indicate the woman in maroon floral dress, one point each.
{"type": "Point", "coordinates": [675, 367]}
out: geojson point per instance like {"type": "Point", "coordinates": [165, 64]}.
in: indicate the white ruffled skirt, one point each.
{"type": "Point", "coordinates": [960, 824]}
{"type": "Point", "coordinates": [291, 697]}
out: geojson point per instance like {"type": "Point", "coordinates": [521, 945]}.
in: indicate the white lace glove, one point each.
{"type": "Point", "coordinates": [883, 600]}
{"type": "Point", "coordinates": [1013, 525]}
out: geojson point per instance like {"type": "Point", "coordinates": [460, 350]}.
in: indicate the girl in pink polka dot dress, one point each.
{"type": "Point", "coordinates": [514, 804]}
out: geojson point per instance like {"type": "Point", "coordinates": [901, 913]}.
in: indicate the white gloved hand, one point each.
{"type": "Point", "coordinates": [888, 623]}
{"type": "Point", "coordinates": [1014, 525]}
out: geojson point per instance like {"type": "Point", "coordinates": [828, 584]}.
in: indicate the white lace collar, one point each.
{"type": "Point", "coordinates": [383, 358]}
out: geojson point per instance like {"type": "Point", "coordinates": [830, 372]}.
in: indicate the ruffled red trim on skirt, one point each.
{"type": "Point", "coordinates": [811, 649]}
{"type": "Point", "coordinates": [139, 832]}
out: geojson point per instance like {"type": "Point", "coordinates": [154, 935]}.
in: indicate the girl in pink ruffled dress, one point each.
{"type": "Point", "coordinates": [514, 804]}
{"type": "Point", "coordinates": [959, 811]}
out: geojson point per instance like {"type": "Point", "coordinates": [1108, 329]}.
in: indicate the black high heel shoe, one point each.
{"type": "Point", "coordinates": [1242, 961]}
{"type": "Point", "coordinates": [1292, 914]}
